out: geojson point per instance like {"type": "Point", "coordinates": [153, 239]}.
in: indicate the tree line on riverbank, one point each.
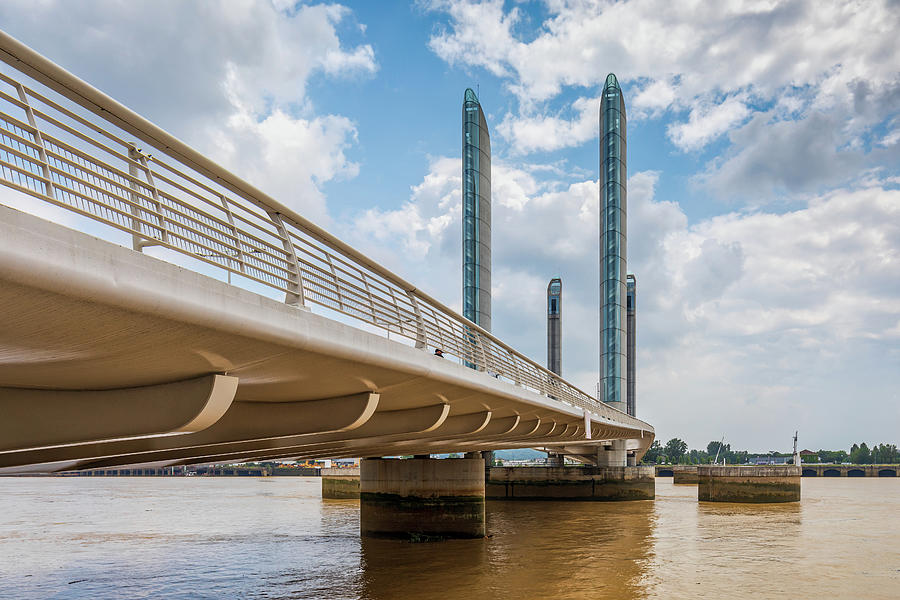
{"type": "Point", "coordinates": [675, 451]}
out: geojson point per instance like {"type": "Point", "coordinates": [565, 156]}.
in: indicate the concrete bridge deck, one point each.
{"type": "Point", "coordinates": [84, 314]}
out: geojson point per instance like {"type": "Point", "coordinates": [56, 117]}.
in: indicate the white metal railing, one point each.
{"type": "Point", "coordinates": [54, 148]}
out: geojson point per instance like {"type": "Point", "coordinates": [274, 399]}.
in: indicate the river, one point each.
{"type": "Point", "coordinates": [220, 537]}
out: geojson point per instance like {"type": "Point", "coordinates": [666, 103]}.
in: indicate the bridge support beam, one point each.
{"type": "Point", "coordinates": [749, 484]}
{"type": "Point", "coordinates": [35, 418]}
{"type": "Point", "coordinates": [422, 498]}
{"type": "Point", "coordinates": [570, 483]}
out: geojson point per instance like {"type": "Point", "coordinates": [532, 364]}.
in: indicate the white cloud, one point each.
{"type": "Point", "coordinates": [229, 77]}
{"type": "Point", "coordinates": [652, 99]}
{"type": "Point", "coordinates": [538, 132]}
{"type": "Point", "coordinates": [423, 221]}
{"type": "Point", "coordinates": [707, 122]}
{"type": "Point", "coordinates": [679, 58]}
{"type": "Point", "coordinates": [726, 45]}
{"type": "Point", "coordinates": [769, 158]}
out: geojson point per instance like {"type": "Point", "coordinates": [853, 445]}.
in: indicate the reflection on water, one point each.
{"type": "Point", "coordinates": [537, 549]}
{"type": "Point", "coordinates": [276, 538]}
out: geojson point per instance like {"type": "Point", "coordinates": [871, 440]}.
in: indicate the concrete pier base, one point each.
{"type": "Point", "coordinates": [555, 460]}
{"type": "Point", "coordinates": [749, 484]}
{"type": "Point", "coordinates": [340, 484]}
{"type": "Point", "coordinates": [422, 498]}
{"type": "Point", "coordinates": [614, 455]}
{"type": "Point", "coordinates": [570, 483]}
{"type": "Point", "coordinates": [685, 475]}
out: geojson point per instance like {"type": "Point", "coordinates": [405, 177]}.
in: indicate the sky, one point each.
{"type": "Point", "coordinates": [763, 162]}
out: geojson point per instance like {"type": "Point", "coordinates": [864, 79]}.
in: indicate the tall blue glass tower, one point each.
{"type": "Point", "coordinates": [631, 398]}
{"type": "Point", "coordinates": [613, 205]}
{"type": "Point", "coordinates": [476, 153]}
{"type": "Point", "coordinates": [554, 325]}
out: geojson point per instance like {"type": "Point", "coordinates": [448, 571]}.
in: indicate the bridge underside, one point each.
{"type": "Point", "coordinates": [110, 357]}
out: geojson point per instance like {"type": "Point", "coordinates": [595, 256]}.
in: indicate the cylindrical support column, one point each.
{"type": "Point", "coordinates": [422, 498]}
{"type": "Point", "coordinates": [749, 484]}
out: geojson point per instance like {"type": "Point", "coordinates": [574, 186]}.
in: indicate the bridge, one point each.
{"type": "Point", "coordinates": [159, 311]}
{"type": "Point", "coordinates": [683, 473]}
{"type": "Point", "coordinates": [829, 470]}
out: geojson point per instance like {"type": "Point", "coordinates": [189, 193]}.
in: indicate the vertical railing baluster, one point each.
{"type": "Point", "coordinates": [164, 230]}
{"type": "Point", "coordinates": [421, 341]}
{"type": "Point", "coordinates": [362, 275]}
{"type": "Point", "coordinates": [480, 346]}
{"type": "Point", "coordinates": [137, 239]}
{"type": "Point", "coordinates": [337, 283]}
{"type": "Point", "coordinates": [515, 364]}
{"type": "Point", "coordinates": [397, 313]}
{"type": "Point", "coordinates": [234, 233]}
{"type": "Point", "coordinates": [294, 297]}
{"type": "Point", "coordinates": [38, 139]}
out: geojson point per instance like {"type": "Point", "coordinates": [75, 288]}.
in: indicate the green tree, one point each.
{"type": "Point", "coordinates": [860, 455]}
{"type": "Point", "coordinates": [833, 456]}
{"type": "Point", "coordinates": [653, 453]}
{"type": "Point", "coordinates": [888, 454]}
{"type": "Point", "coordinates": [675, 449]}
{"type": "Point", "coordinates": [723, 450]}
{"type": "Point", "coordinates": [738, 457]}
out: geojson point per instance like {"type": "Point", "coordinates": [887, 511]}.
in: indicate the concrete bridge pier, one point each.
{"type": "Point", "coordinates": [340, 484]}
{"type": "Point", "coordinates": [765, 484]}
{"type": "Point", "coordinates": [614, 455]}
{"type": "Point", "coordinates": [571, 483]}
{"type": "Point", "coordinates": [422, 498]}
{"type": "Point", "coordinates": [685, 474]}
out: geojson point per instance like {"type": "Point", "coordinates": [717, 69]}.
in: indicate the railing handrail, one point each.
{"type": "Point", "coordinates": [56, 78]}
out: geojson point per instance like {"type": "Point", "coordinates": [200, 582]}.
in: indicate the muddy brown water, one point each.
{"type": "Point", "coordinates": [275, 537]}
